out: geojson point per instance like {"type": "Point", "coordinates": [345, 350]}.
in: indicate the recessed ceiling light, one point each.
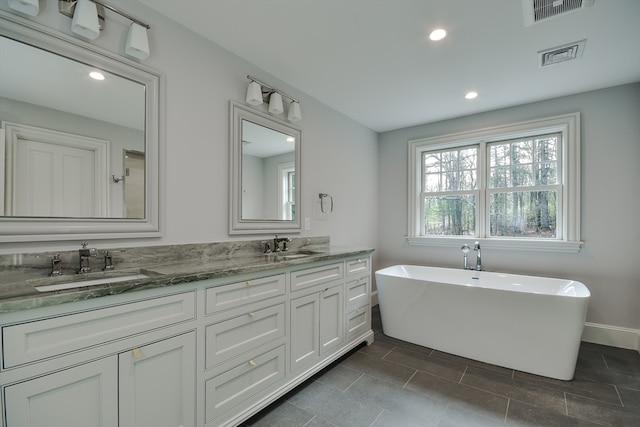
{"type": "Point", "coordinates": [471, 95]}
{"type": "Point", "coordinates": [438, 34]}
{"type": "Point", "coordinates": [96, 75]}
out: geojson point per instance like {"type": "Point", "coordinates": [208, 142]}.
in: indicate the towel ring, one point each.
{"type": "Point", "coordinates": [322, 197]}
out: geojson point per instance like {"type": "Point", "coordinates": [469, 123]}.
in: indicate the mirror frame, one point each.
{"type": "Point", "coordinates": [37, 229]}
{"type": "Point", "coordinates": [238, 225]}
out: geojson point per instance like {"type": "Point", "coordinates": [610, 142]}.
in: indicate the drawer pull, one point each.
{"type": "Point", "coordinates": [249, 283]}
{"type": "Point", "coordinates": [252, 362]}
{"type": "Point", "coordinates": [252, 314]}
{"type": "Point", "coordinates": [137, 353]}
{"type": "Point", "coordinates": [325, 289]}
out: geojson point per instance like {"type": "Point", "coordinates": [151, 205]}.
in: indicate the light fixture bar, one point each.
{"type": "Point", "coordinates": [253, 79]}
{"type": "Point", "coordinates": [66, 7]}
{"type": "Point", "coordinates": [121, 13]}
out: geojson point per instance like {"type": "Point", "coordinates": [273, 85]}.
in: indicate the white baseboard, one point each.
{"type": "Point", "coordinates": [614, 336]}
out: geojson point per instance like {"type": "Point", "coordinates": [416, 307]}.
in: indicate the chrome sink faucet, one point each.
{"type": "Point", "coordinates": [476, 247]}
{"type": "Point", "coordinates": [85, 254]}
{"type": "Point", "coordinates": [276, 244]}
{"type": "Point", "coordinates": [56, 266]}
{"type": "Point", "coordinates": [465, 259]}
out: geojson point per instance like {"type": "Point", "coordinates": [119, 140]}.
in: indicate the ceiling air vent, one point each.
{"type": "Point", "coordinates": [540, 10]}
{"type": "Point", "coordinates": [561, 53]}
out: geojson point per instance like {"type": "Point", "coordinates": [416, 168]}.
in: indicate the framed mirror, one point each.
{"type": "Point", "coordinates": [264, 173]}
{"type": "Point", "coordinates": [79, 157]}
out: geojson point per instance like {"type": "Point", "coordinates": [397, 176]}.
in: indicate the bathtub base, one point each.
{"type": "Point", "coordinates": [529, 332]}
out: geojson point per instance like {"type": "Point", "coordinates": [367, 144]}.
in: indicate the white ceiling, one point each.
{"type": "Point", "coordinates": [39, 77]}
{"type": "Point", "coordinates": [372, 60]}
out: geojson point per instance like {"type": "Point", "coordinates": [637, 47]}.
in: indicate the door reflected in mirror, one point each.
{"type": "Point", "coordinates": [268, 173]}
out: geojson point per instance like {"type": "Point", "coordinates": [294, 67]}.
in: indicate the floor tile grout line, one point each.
{"type": "Point", "coordinates": [410, 378]}
{"type": "Point", "coordinates": [618, 393]}
{"type": "Point", "coordinates": [506, 413]}
{"type": "Point", "coordinates": [353, 382]}
{"type": "Point", "coordinates": [376, 419]}
{"type": "Point", "coordinates": [463, 373]}
{"type": "Point", "coordinates": [388, 352]}
{"type": "Point", "coordinates": [604, 359]}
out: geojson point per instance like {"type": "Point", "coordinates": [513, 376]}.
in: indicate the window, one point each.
{"type": "Point", "coordinates": [514, 186]}
{"type": "Point", "coordinates": [287, 191]}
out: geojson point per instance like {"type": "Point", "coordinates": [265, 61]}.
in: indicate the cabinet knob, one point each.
{"type": "Point", "coordinates": [249, 283]}
{"type": "Point", "coordinates": [252, 362]}
{"type": "Point", "coordinates": [325, 289]}
{"type": "Point", "coordinates": [137, 353]}
{"type": "Point", "coordinates": [252, 314]}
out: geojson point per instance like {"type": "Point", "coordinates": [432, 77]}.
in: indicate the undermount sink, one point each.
{"type": "Point", "coordinates": [293, 256]}
{"type": "Point", "coordinates": [91, 282]}
{"type": "Point", "coordinates": [298, 254]}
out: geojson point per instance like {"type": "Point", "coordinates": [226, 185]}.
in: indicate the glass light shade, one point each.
{"type": "Point", "coordinates": [137, 44]}
{"type": "Point", "coordinates": [85, 20]}
{"type": "Point", "coordinates": [294, 112]}
{"type": "Point", "coordinates": [275, 103]}
{"type": "Point", "coordinates": [28, 7]}
{"type": "Point", "coordinates": [254, 93]}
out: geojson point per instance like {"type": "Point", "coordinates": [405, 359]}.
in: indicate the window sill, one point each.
{"type": "Point", "coordinates": [549, 246]}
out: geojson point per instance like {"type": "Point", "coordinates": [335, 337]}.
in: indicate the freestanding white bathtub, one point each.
{"type": "Point", "coordinates": [531, 324]}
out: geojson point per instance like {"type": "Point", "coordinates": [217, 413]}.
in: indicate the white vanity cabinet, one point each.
{"type": "Point", "coordinates": [102, 367]}
{"type": "Point", "coordinates": [317, 313]}
{"type": "Point", "coordinates": [156, 383]}
{"type": "Point", "coordinates": [358, 297]}
{"type": "Point", "coordinates": [208, 353]}
{"type": "Point", "coordinates": [82, 396]}
{"type": "Point", "coordinates": [245, 339]}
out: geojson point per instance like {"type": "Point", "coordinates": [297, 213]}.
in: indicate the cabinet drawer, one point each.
{"type": "Point", "coordinates": [358, 293]}
{"type": "Point", "coordinates": [315, 276]}
{"type": "Point", "coordinates": [358, 322]}
{"type": "Point", "coordinates": [236, 294]}
{"type": "Point", "coordinates": [242, 333]}
{"type": "Point", "coordinates": [358, 266]}
{"type": "Point", "coordinates": [245, 378]}
{"type": "Point", "coordinates": [29, 342]}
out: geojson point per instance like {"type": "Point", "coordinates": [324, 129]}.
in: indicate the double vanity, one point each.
{"type": "Point", "coordinates": [189, 335]}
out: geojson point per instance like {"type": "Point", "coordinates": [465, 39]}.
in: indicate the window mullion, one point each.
{"type": "Point", "coordinates": [483, 178]}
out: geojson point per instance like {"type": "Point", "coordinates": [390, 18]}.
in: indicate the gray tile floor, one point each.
{"type": "Point", "coordinates": [393, 383]}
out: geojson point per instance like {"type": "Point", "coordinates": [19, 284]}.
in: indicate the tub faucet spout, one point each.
{"type": "Point", "coordinates": [476, 247]}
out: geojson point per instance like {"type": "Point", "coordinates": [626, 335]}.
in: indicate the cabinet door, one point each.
{"type": "Point", "coordinates": [84, 396]}
{"type": "Point", "coordinates": [157, 384]}
{"type": "Point", "coordinates": [305, 330]}
{"type": "Point", "coordinates": [331, 318]}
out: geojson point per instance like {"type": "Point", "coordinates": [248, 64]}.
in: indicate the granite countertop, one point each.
{"type": "Point", "coordinates": [21, 293]}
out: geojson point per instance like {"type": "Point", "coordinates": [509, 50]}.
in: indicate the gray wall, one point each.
{"type": "Point", "coordinates": [368, 180]}
{"type": "Point", "coordinates": [609, 260]}
{"type": "Point", "coordinates": [339, 155]}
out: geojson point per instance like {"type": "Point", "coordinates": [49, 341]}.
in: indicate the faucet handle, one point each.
{"type": "Point", "coordinates": [108, 261]}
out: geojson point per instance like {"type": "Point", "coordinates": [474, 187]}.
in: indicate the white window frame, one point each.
{"type": "Point", "coordinates": [568, 230]}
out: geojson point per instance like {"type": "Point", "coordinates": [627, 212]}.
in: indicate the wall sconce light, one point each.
{"type": "Point", "coordinates": [259, 92]}
{"type": "Point", "coordinates": [28, 7]}
{"type": "Point", "coordinates": [254, 93]}
{"type": "Point", "coordinates": [85, 20]}
{"type": "Point", "coordinates": [275, 103]}
{"type": "Point", "coordinates": [137, 44]}
{"type": "Point", "coordinates": [88, 19]}
{"type": "Point", "coordinates": [295, 115]}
